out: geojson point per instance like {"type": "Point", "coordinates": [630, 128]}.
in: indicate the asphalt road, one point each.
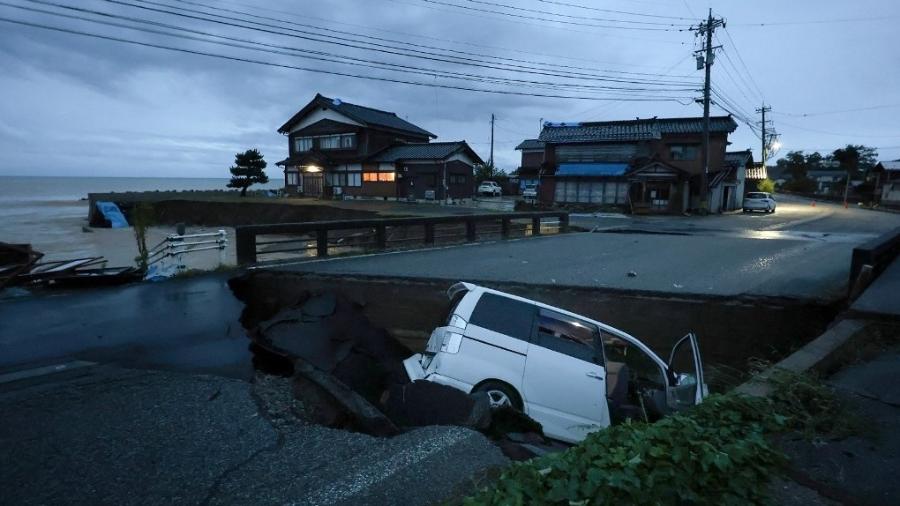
{"type": "Point", "coordinates": [801, 251]}
{"type": "Point", "coordinates": [104, 435]}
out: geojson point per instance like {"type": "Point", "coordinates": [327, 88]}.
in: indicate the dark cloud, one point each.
{"type": "Point", "coordinates": [76, 105]}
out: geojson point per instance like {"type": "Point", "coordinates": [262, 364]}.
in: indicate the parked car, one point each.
{"type": "Point", "coordinates": [572, 374]}
{"type": "Point", "coordinates": [759, 201]}
{"type": "Point", "coordinates": [530, 191]}
{"type": "Point", "coordinates": [490, 188]}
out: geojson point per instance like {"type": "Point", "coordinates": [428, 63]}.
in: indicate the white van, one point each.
{"type": "Point", "coordinates": [572, 374]}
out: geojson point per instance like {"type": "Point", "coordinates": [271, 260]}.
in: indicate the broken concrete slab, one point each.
{"type": "Point", "coordinates": [320, 305]}
{"type": "Point", "coordinates": [422, 403]}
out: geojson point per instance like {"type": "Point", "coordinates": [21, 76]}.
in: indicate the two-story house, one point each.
{"type": "Point", "coordinates": [648, 165]}
{"type": "Point", "coordinates": [337, 149]}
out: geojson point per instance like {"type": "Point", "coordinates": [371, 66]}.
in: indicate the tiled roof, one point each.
{"type": "Point", "coordinates": [631, 130]}
{"type": "Point", "coordinates": [531, 144]}
{"type": "Point", "coordinates": [738, 158]}
{"type": "Point", "coordinates": [895, 165]}
{"type": "Point", "coordinates": [424, 151]}
{"type": "Point", "coordinates": [361, 114]}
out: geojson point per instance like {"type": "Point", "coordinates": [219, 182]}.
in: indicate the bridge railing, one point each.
{"type": "Point", "coordinates": [323, 238]}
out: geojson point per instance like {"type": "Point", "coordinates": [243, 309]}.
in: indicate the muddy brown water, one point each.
{"type": "Point", "coordinates": [731, 330]}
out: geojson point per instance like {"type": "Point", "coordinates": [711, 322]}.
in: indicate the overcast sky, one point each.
{"type": "Point", "coordinates": [73, 105]}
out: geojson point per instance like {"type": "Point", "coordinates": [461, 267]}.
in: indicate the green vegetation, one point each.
{"type": "Point", "coordinates": [716, 453]}
{"type": "Point", "coordinates": [248, 169]}
{"type": "Point", "coordinates": [141, 219]}
{"type": "Point", "coordinates": [766, 185]}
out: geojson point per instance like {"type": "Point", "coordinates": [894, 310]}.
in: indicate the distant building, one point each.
{"type": "Point", "coordinates": [648, 165]}
{"type": "Point", "coordinates": [828, 181]}
{"type": "Point", "coordinates": [337, 150]}
{"type": "Point", "coordinates": [887, 182]}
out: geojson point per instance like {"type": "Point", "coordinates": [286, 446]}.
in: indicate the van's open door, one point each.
{"type": "Point", "coordinates": [685, 374]}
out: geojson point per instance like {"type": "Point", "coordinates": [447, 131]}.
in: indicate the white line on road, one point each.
{"type": "Point", "coordinates": [43, 371]}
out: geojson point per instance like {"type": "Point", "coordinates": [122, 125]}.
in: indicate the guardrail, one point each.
{"type": "Point", "coordinates": [247, 243]}
{"type": "Point", "coordinates": [871, 258]}
{"type": "Point", "coordinates": [175, 246]}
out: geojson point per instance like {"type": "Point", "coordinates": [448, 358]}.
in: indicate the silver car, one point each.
{"type": "Point", "coordinates": [759, 201]}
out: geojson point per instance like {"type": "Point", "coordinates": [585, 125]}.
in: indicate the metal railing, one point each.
{"type": "Point", "coordinates": [175, 246]}
{"type": "Point", "coordinates": [316, 235]}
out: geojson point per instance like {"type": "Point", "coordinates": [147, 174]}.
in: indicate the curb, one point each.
{"type": "Point", "coordinates": [821, 353]}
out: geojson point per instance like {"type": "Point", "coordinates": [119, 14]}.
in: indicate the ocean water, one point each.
{"type": "Point", "coordinates": [49, 213]}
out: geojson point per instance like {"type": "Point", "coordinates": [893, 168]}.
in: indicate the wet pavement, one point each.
{"type": "Point", "coordinates": [673, 264]}
{"type": "Point", "coordinates": [188, 324]}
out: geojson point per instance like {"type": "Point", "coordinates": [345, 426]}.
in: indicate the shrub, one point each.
{"type": "Point", "coordinates": [715, 453]}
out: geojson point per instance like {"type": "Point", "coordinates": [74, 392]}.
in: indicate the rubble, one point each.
{"type": "Point", "coordinates": [347, 373]}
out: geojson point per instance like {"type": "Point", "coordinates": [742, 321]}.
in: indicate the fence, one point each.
{"type": "Point", "coordinates": [385, 233]}
{"type": "Point", "coordinates": [166, 258]}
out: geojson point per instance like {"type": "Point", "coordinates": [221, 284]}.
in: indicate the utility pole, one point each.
{"type": "Point", "coordinates": [707, 29]}
{"type": "Point", "coordinates": [492, 142]}
{"type": "Point", "coordinates": [765, 141]}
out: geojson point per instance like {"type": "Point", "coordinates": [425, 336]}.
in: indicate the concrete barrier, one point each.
{"type": "Point", "coordinates": [877, 254]}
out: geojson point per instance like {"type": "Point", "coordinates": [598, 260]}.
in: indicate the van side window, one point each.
{"type": "Point", "coordinates": [503, 315]}
{"type": "Point", "coordinates": [568, 335]}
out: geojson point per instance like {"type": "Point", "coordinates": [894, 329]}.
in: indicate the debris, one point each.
{"type": "Point", "coordinates": [632, 274]}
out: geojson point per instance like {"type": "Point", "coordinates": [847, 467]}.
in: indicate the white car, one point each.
{"type": "Point", "coordinates": [572, 374]}
{"type": "Point", "coordinates": [759, 201]}
{"type": "Point", "coordinates": [530, 191]}
{"type": "Point", "coordinates": [489, 188]}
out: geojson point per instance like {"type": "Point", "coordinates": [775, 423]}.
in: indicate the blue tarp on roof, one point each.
{"type": "Point", "coordinates": [592, 169]}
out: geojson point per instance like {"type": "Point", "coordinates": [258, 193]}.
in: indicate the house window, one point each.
{"type": "Point", "coordinates": [292, 178]}
{"type": "Point", "coordinates": [379, 177]}
{"type": "Point", "coordinates": [457, 179]}
{"type": "Point", "coordinates": [343, 179]}
{"type": "Point", "coordinates": [684, 151]}
{"type": "Point", "coordinates": [348, 141]}
{"type": "Point", "coordinates": [330, 142]}
{"type": "Point", "coordinates": [302, 144]}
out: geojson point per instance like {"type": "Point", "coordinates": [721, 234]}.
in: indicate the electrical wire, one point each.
{"type": "Point", "coordinates": [259, 46]}
{"type": "Point", "coordinates": [395, 41]}
{"type": "Point", "coordinates": [612, 11]}
{"type": "Point", "coordinates": [309, 69]}
{"type": "Point", "coordinates": [386, 49]}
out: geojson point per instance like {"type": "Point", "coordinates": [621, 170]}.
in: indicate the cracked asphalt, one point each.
{"type": "Point", "coordinates": [107, 435]}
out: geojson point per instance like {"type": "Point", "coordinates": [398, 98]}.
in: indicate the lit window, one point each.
{"type": "Point", "coordinates": [383, 177]}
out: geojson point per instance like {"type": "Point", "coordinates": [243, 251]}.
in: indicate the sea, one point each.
{"type": "Point", "coordinates": [50, 213]}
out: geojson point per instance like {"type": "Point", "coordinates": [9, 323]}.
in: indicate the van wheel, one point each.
{"type": "Point", "coordinates": [500, 395]}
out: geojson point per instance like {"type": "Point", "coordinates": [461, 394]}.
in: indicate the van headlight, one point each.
{"type": "Point", "coordinates": [451, 342]}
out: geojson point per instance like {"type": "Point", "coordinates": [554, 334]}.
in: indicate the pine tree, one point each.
{"type": "Point", "coordinates": [247, 170]}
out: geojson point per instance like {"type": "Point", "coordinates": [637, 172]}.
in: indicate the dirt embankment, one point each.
{"type": "Point", "coordinates": [206, 213]}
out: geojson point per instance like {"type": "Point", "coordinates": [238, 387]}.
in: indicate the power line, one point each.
{"type": "Point", "coordinates": [360, 62]}
{"type": "Point", "coordinates": [670, 28]}
{"type": "Point", "coordinates": [381, 39]}
{"type": "Point", "coordinates": [741, 59]}
{"type": "Point", "coordinates": [612, 11]}
{"type": "Point", "coordinates": [569, 16]}
{"type": "Point", "coordinates": [825, 132]}
{"type": "Point", "coordinates": [838, 111]}
{"type": "Point", "coordinates": [308, 69]}
{"type": "Point", "coordinates": [387, 49]}
{"type": "Point", "coordinates": [817, 22]}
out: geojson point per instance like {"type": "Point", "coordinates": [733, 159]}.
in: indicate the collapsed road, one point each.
{"type": "Point", "coordinates": [347, 373]}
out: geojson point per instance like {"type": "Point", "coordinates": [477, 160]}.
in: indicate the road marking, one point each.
{"type": "Point", "coordinates": [44, 371]}
{"type": "Point", "coordinates": [379, 472]}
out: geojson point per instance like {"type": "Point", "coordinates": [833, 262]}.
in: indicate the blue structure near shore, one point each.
{"type": "Point", "coordinates": [112, 214]}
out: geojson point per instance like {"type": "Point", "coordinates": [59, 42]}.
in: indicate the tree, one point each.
{"type": "Point", "coordinates": [247, 170]}
{"type": "Point", "coordinates": [856, 158]}
{"type": "Point", "coordinates": [487, 171]}
{"type": "Point", "coordinates": [795, 163]}
{"type": "Point", "coordinates": [766, 185]}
